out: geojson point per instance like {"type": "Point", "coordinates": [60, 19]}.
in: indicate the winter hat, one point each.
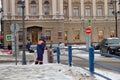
{"type": "Point", "coordinates": [43, 38]}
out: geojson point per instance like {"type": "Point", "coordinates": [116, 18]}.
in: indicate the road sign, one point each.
{"type": "Point", "coordinates": [8, 37]}
{"type": "Point", "coordinates": [89, 23]}
{"type": "Point", "coordinates": [88, 30]}
{"type": "Point", "coordinates": [14, 27]}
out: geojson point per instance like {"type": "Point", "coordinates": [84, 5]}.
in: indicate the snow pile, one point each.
{"type": "Point", "coordinates": [43, 72]}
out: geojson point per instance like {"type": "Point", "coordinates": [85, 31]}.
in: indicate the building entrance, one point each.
{"type": "Point", "coordinates": [33, 34]}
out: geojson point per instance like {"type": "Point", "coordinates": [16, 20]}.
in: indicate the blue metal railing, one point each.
{"type": "Point", "coordinates": [91, 60]}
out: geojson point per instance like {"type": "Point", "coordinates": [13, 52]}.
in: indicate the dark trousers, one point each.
{"type": "Point", "coordinates": [39, 59]}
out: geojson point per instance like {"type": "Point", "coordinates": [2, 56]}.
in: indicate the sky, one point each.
{"type": "Point", "coordinates": [52, 71]}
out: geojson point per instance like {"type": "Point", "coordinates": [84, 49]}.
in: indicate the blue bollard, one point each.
{"type": "Point", "coordinates": [70, 55]}
{"type": "Point", "coordinates": [58, 55]}
{"type": "Point", "coordinates": [91, 60]}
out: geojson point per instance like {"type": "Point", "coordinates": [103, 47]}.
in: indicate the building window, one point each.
{"type": "Point", "coordinates": [75, 11]}
{"type": "Point", "coordinates": [19, 8]}
{"type": "Point", "coordinates": [111, 11]}
{"type": "Point", "coordinates": [112, 33]}
{"type": "Point", "coordinates": [59, 35]}
{"type": "Point", "coordinates": [87, 10]}
{"type": "Point", "coordinates": [66, 35]}
{"type": "Point", "coordinates": [100, 35]}
{"type": "Point", "coordinates": [48, 35]}
{"type": "Point", "coordinates": [33, 8]}
{"type": "Point", "coordinates": [99, 10]}
{"type": "Point", "coordinates": [77, 35]}
{"type": "Point", "coordinates": [46, 8]}
{"type": "Point", "coordinates": [65, 11]}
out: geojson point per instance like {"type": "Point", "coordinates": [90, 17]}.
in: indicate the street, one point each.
{"type": "Point", "coordinates": [8, 59]}
{"type": "Point", "coordinates": [98, 58]}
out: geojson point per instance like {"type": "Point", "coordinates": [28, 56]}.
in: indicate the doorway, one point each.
{"type": "Point", "coordinates": [33, 34]}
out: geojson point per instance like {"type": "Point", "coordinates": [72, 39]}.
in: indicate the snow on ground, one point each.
{"type": "Point", "coordinates": [52, 71]}
{"type": "Point", "coordinates": [43, 72]}
{"type": "Point", "coordinates": [109, 75]}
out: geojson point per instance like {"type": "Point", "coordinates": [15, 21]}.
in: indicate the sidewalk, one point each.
{"type": "Point", "coordinates": [5, 57]}
{"type": "Point", "coordinates": [43, 72]}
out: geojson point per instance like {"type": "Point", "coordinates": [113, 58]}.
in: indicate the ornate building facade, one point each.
{"type": "Point", "coordinates": [61, 20]}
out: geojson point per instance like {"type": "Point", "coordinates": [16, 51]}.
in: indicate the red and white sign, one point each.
{"type": "Point", "coordinates": [1, 36]}
{"type": "Point", "coordinates": [88, 30]}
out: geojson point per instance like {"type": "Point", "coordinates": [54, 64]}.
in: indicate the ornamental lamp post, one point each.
{"type": "Point", "coordinates": [114, 3]}
{"type": "Point", "coordinates": [23, 28]}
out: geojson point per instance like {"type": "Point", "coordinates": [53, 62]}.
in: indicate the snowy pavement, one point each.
{"type": "Point", "coordinates": [49, 71]}
{"type": "Point", "coordinates": [43, 72]}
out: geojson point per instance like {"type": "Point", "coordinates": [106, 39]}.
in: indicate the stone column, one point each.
{"type": "Point", "coordinates": [13, 9]}
{"type": "Point", "coordinates": [40, 10]}
{"type": "Point", "coordinates": [106, 9]}
{"type": "Point", "coordinates": [70, 9]}
{"type": "Point", "coordinates": [26, 9]}
{"type": "Point", "coordinates": [82, 9]}
{"type": "Point", "coordinates": [94, 9]}
{"type": "Point", "coordinates": [5, 5]}
{"type": "Point", "coordinates": [61, 9]}
{"type": "Point", "coordinates": [54, 8]}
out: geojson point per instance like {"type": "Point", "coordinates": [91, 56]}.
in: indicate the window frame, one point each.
{"type": "Point", "coordinates": [46, 8]}
{"type": "Point", "coordinates": [33, 8]}
{"type": "Point", "coordinates": [19, 8]}
{"type": "Point", "coordinates": [99, 10]}
{"type": "Point", "coordinates": [76, 11]}
{"type": "Point", "coordinates": [48, 35]}
{"type": "Point", "coordinates": [88, 10]}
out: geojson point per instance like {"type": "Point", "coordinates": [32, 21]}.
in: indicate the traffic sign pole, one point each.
{"type": "Point", "coordinates": [15, 28]}
{"type": "Point", "coordinates": [88, 32]}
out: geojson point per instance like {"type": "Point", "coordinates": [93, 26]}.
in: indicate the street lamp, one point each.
{"type": "Point", "coordinates": [23, 18]}
{"type": "Point", "coordinates": [115, 12]}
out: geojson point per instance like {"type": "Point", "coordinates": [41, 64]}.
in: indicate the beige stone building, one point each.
{"type": "Point", "coordinates": [61, 20]}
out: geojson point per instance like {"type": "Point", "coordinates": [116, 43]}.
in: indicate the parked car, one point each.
{"type": "Point", "coordinates": [96, 45]}
{"type": "Point", "coordinates": [110, 46]}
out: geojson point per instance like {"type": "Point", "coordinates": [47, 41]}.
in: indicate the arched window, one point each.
{"type": "Point", "coordinates": [19, 8]}
{"type": "Point", "coordinates": [111, 10]}
{"type": "Point", "coordinates": [76, 34]}
{"type": "Point", "coordinates": [48, 35]}
{"type": "Point", "coordinates": [99, 10]}
{"type": "Point", "coordinates": [100, 35]}
{"type": "Point", "coordinates": [75, 11]}
{"type": "Point", "coordinates": [87, 10]}
{"type": "Point", "coordinates": [46, 8]}
{"type": "Point", "coordinates": [33, 8]}
{"type": "Point", "coordinates": [112, 33]}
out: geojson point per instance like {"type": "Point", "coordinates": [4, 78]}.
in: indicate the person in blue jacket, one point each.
{"type": "Point", "coordinates": [40, 50]}
{"type": "Point", "coordinates": [28, 45]}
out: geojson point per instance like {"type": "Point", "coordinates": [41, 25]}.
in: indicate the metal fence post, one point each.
{"type": "Point", "coordinates": [70, 55]}
{"type": "Point", "coordinates": [58, 55]}
{"type": "Point", "coordinates": [91, 60]}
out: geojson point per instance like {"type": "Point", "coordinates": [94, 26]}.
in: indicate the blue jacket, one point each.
{"type": "Point", "coordinates": [40, 47]}
{"type": "Point", "coordinates": [29, 44]}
